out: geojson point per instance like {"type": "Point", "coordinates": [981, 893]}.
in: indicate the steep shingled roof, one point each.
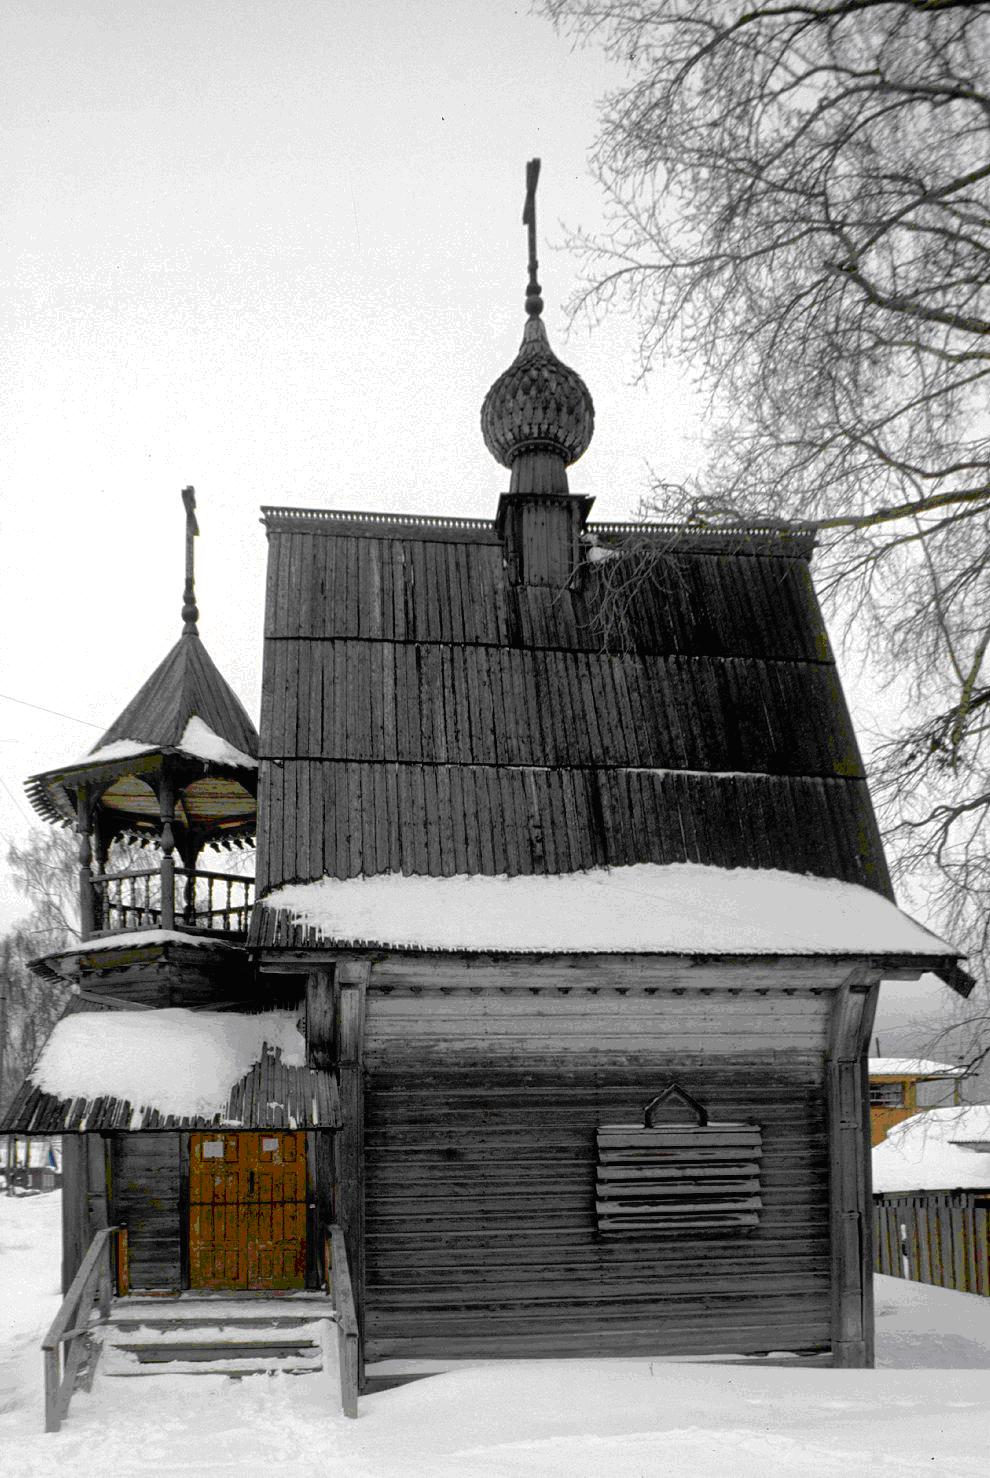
{"type": "Point", "coordinates": [187, 683]}
{"type": "Point", "coordinates": [424, 714]}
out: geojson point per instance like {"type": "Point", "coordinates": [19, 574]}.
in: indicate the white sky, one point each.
{"type": "Point", "coordinates": [274, 250]}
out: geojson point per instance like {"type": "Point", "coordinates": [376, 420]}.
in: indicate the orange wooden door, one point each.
{"type": "Point", "coordinates": [247, 1210]}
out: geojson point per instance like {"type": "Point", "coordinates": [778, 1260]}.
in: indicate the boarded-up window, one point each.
{"type": "Point", "coordinates": [673, 1177]}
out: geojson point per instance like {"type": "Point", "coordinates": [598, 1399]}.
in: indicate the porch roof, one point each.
{"type": "Point", "coordinates": [173, 1069]}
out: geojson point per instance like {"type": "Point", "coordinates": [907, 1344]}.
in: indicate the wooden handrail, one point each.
{"type": "Point", "coordinates": [340, 1290]}
{"type": "Point", "coordinates": [91, 1285]}
{"type": "Point", "coordinates": [152, 896]}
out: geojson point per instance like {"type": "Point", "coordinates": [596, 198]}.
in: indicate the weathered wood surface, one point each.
{"type": "Point", "coordinates": [586, 975]}
{"type": "Point", "coordinates": [850, 1217]}
{"type": "Point", "coordinates": [144, 1180]}
{"type": "Point", "coordinates": [939, 1237]}
{"type": "Point", "coordinates": [558, 1025]}
{"type": "Point", "coordinates": [480, 1223]}
{"type": "Point", "coordinates": [936, 1237]}
{"type": "Point", "coordinates": [411, 585]}
{"type": "Point", "coordinates": [84, 1199]}
{"type": "Point", "coordinates": [348, 1335]}
{"type": "Point", "coordinates": [248, 1210]}
{"type": "Point", "coordinates": [649, 711]}
{"type": "Point", "coordinates": [429, 716]}
{"type": "Point", "coordinates": [341, 818]}
{"type": "Point", "coordinates": [187, 682]}
{"type": "Point", "coordinates": [350, 994]}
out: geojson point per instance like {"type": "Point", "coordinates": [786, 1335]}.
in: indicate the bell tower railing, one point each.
{"type": "Point", "coordinates": [171, 898]}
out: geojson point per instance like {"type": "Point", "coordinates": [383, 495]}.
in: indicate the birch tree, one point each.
{"type": "Point", "coordinates": [799, 209]}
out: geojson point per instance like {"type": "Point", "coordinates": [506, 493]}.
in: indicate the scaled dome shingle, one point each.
{"type": "Point", "coordinates": [538, 404]}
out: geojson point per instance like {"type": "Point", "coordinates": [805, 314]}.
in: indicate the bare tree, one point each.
{"type": "Point", "coordinates": [29, 1008]}
{"type": "Point", "coordinates": [800, 208]}
{"type": "Point", "coordinates": [45, 870]}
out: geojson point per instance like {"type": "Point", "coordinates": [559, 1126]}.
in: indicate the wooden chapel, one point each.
{"type": "Point", "coordinates": [571, 912]}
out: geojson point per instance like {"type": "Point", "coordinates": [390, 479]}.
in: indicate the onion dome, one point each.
{"type": "Point", "coordinates": [538, 417]}
{"type": "Point", "coordinates": [539, 405]}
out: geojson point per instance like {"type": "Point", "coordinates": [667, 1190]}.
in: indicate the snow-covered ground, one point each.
{"type": "Point", "coordinates": [925, 1410]}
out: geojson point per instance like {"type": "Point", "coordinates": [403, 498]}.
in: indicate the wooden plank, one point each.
{"type": "Point", "coordinates": [320, 1020]}
{"type": "Point", "coordinates": [75, 1238]}
{"type": "Point", "coordinates": [351, 982]}
{"type": "Point", "coordinates": [348, 1329]}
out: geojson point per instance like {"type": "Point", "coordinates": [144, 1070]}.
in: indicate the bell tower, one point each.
{"type": "Point", "coordinates": [176, 769]}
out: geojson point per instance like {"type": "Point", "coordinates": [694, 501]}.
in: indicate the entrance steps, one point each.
{"type": "Point", "coordinates": [217, 1336]}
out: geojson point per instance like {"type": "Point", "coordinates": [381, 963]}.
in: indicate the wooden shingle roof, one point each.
{"type": "Point", "coordinates": [187, 683]}
{"type": "Point", "coordinates": [422, 713]}
{"type": "Point", "coordinates": [272, 1094]}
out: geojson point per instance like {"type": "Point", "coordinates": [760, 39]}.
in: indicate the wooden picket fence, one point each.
{"type": "Point", "coordinates": [939, 1237]}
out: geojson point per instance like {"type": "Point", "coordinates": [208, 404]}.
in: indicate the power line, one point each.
{"type": "Point", "coordinates": [17, 804]}
{"type": "Point", "coordinates": [53, 711]}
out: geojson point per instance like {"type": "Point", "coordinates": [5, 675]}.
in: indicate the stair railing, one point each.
{"type": "Point", "coordinates": [340, 1290]}
{"type": "Point", "coordinates": [65, 1345]}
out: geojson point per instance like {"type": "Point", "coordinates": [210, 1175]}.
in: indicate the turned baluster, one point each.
{"type": "Point", "coordinates": [87, 912]}
{"type": "Point", "coordinates": [166, 802]}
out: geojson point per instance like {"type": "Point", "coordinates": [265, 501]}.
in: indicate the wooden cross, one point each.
{"type": "Point", "coordinates": [534, 302]}
{"type": "Point", "coordinates": [190, 611]}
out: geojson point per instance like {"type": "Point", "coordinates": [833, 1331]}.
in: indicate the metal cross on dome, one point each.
{"type": "Point", "coordinates": [534, 302]}
{"type": "Point", "coordinates": [190, 610]}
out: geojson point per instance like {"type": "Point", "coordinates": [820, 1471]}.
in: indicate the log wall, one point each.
{"type": "Point", "coordinates": [481, 1105]}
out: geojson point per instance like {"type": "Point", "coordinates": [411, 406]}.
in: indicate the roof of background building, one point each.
{"type": "Point", "coordinates": [913, 1067]}
{"type": "Point", "coordinates": [938, 1150]}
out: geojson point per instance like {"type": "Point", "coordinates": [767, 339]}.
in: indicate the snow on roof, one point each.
{"type": "Point", "coordinates": [120, 749]}
{"type": "Point", "coordinates": [679, 908]}
{"type": "Point", "coordinates": [913, 1067]}
{"type": "Point", "coordinates": [198, 739]}
{"type": "Point", "coordinates": [935, 1151]}
{"type": "Point", "coordinates": [135, 938]}
{"type": "Point", "coordinates": [173, 1060]}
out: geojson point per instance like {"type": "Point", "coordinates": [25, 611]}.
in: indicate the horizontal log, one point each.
{"type": "Point", "coordinates": [622, 971]}
{"type": "Point", "coordinates": [577, 1011]}
{"type": "Point", "coordinates": [634, 1292]}
{"type": "Point", "coordinates": [806, 1339]}
{"type": "Point", "coordinates": [461, 1117]}
{"type": "Point", "coordinates": [535, 1157]}
{"type": "Point", "coordinates": [579, 1304]}
{"type": "Point", "coordinates": [634, 1045]}
{"type": "Point", "coordinates": [722, 1323]}
{"type": "Point", "coordinates": [477, 1256]}
{"type": "Point", "coordinates": [766, 1074]}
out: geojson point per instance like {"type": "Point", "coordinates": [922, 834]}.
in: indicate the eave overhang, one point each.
{"type": "Point", "coordinates": [277, 961]}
